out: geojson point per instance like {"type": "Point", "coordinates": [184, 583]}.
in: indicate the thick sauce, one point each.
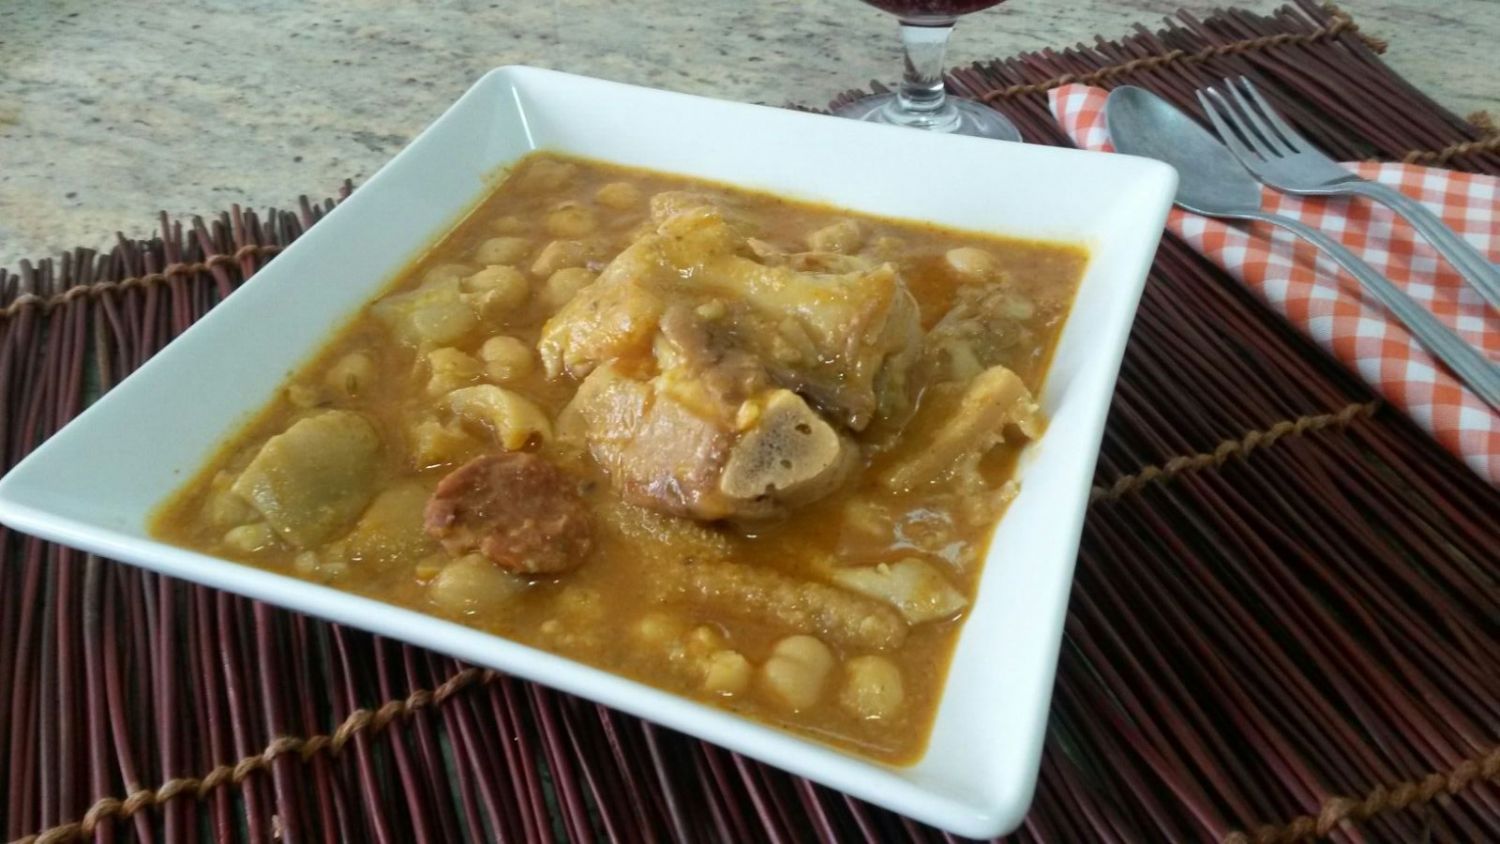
{"type": "Point", "coordinates": [831, 612]}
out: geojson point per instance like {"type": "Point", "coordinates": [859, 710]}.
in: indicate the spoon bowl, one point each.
{"type": "Point", "coordinates": [1210, 180]}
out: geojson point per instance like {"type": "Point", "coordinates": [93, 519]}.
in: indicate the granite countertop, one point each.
{"type": "Point", "coordinates": [111, 112]}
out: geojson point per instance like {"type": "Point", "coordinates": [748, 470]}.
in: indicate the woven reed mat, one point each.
{"type": "Point", "coordinates": [1286, 619]}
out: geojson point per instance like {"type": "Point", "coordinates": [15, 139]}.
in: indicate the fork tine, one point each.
{"type": "Point", "coordinates": [1250, 159]}
{"type": "Point", "coordinates": [1268, 137]}
{"type": "Point", "coordinates": [1293, 140]}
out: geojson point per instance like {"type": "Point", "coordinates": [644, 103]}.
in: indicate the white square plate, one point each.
{"type": "Point", "coordinates": [95, 484]}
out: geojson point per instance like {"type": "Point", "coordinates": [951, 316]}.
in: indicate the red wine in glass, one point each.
{"type": "Point", "coordinates": [920, 101]}
{"type": "Point", "coordinates": [932, 8]}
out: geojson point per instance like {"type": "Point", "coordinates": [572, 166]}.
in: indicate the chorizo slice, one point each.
{"type": "Point", "coordinates": [517, 509]}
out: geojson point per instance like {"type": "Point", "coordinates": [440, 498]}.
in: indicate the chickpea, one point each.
{"type": "Point", "coordinates": [306, 562]}
{"type": "Point", "coordinates": [314, 567]}
{"type": "Point", "coordinates": [547, 175]}
{"type": "Point", "coordinates": [441, 322]}
{"type": "Point", "coordinates": [497, 289]}
{"type": "Point", "coordinates": [450, 370]}
{"type": "Point", "coordinates": [472, 584]}
{"type": "Point", "coordinates": [570, 219]}
{"type": "Point", "coordinates": [502, 250]}
{"type": "Point", "coordinates": [872, 688]}
{"type": "Point", "coordinates": [713, 309]}
{"type": "Point", "coordinates": [704, 639]}
{"type": "Point", "coordinates": [225, 507]}
{"type": "Point", "coordinates": [303, 396]}
{"type": "Point", "coordinates": [506, 359]}
{"type": "Point", "coordinates": [620, 196]}
{"type": "Point", "coordinates": [430, 566]}
{"type": "Point", "coordinates": [445, 272]}
{"type": "Point", "coordinates": [563, 285]}
{"type": "Point", "coordinates": [795, 674]}
{"type": "Point", "coordinates": [353, 374]}
{"type": "Point", "coordinates": [844, 237]}
{"type": "Point", "coordinates": [659, 628]}
{"type": "Point", "coordinates": [250, 538]}
{"type": "Point", "coordinates": [436, 444]}
{"type": "Point", "coordinates": [511, 224]}
{"type": "Point", "coordinates": [727, 673]}
{"type": "Point", "coordinates": [580, 602]}
{"type": "Point", "coordinates": [886, 248]}
{"type": "Point", "coordinates": [970, 263]}
{"type": "Point", "coordinates": [1019, 307]}
{"type": "Point", "coordinates": [558, 255]}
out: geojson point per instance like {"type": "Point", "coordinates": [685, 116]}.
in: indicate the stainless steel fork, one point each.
{"type": "Point", "coordinates": [1283, 159]}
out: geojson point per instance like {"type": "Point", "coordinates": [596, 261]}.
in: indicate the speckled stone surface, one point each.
{"type": "Point", "coordinates": [110, 112]}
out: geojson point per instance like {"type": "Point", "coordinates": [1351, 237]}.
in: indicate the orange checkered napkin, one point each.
{"type": "Point", "coordinates": [1312, 292]}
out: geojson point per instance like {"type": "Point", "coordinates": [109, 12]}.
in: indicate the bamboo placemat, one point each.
{"type": "Point", "coordinates": [1285, 624]}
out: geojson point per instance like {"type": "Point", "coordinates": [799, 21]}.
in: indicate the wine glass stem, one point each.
{"type": "Point", "coordinates": [921, 90]}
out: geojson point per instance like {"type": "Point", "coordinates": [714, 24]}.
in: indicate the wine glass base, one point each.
{"type": "Point", "coordinates": [960, 117]}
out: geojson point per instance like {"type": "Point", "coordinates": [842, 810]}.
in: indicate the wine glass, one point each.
{"type": "Point", "coordinates": [920, 101]}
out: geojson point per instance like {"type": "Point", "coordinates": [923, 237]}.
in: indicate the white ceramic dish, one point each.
{"type": "Point", "coordinates": [95, 483]}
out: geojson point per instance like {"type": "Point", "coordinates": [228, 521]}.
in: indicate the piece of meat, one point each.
{"type": "Point", "coordinates": [516, 509]}
{"type": "Point", "coordinates": [669, 454]}
{"type": "Point", "coordinates": [716, 386]}
{"type": "Point", "coordinates": [845, 340]}
{"type": "Point", "coordinates": [984, 326]}
{"type": "Point", "coordinates": [617, 316]}
{"type": "Point", "coordinates": [312, 480]}
{"type": "Point", "coordinates": [699, 348]}
{"type": "Point", "coordinates": [837, 338]}
{"type": "Point", "coordinates": [657, 452]}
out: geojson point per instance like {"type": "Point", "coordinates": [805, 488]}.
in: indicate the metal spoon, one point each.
{"type": "Point", "coordinates": [1212, 183]}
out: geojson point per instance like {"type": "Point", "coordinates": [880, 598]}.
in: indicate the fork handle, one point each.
{"type": "Point", "coordinates": [1470, 262]}
{"type": "Point", "coordinates": [1471, 367]}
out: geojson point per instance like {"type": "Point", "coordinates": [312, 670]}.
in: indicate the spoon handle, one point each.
{"type": "Point", "coordinates": [1474, 266]}
{"type": "Point", "coordinates": [1471, 367]}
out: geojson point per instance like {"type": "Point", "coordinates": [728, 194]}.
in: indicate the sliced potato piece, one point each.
{"type": "Point", "coordinates": [313, 479]}
{"type": "Point", "coordinates": [390, 531]}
